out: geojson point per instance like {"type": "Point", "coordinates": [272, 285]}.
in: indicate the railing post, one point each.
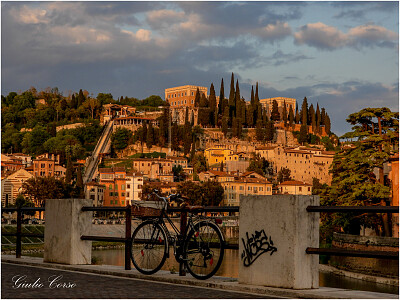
{"type": "Point", "coordinates": [18, 249]}
{"type": "Point", "coordinates": [182, 271]}
{"type": "Point", "coordinates": [128, 245]}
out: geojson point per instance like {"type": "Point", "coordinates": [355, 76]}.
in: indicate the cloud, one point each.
{"type": "Point", "coordinates": [281, 58]}
{"type": "Point", "coordinates": [273, 32]}
{"type": "Point", "coordinates": [324, 37]}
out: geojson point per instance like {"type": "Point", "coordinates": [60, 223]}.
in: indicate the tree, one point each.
{"type": "Point", "coordinates": [311, 116]}
{"type": "Point", "coordinates": [304, 112]}
{"type": "Point", "coordinates": [20, 201]}
{"type": "Point", "coordinates": [197, 98]}
{"type": "Point", "coordinates": [232, 97]}
{"type": "Point", "coordinates": [225, 119]}
{"type": "Point", "coordinates": [258, 164]}
{"type": "Point", "coordinates": [92, 104]}
{"type": "Point", "coordinates": [275, 115]}
{"type": "Point", "coordinates": [42, 188]}
{"type": "Point", "coordinates": [291, 116]}
{"type": "Point", "coordinates": [318, 119]}
{"type": "Point", "coordinates": [221, 107]}
{"type": "Point", "coordinates": [209, 193]}
{"type": "Point", "coordinates": [81, 98]}
{"type": "Point", "coordinates": [270, 131]}
{"type": "Point", "coordinates": [260, 131]}
{"type": "Point", "coordinates": [177, 170]}
{"type": "Point", "coordinates": [212, 104]}
{"type": "Point", "coordinates": [79, 182]}
{"type": "Point", "coordinates": [121, 138]}
{"type": "Point", "coordinates": [69, 171]}
{"type": "Point", "coordinates": [303, 136]}
{"type": "Point", "coordinates": [375, 138]}
{"type": "Point", "coordinates": [284, 175]}
{"type": "Point", "coordinates": [150, 136]}
{"type": "Point", "coordinates": [285, 115]}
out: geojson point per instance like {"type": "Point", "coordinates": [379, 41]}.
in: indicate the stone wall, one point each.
{"type": "Point", "coordinates": [372, 266]}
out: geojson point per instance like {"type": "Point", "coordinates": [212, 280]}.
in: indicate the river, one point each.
{"type": "Point", "coordinates": [230, 266]}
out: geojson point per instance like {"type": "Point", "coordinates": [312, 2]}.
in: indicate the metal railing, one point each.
{"type": "Point", "coordinates": [19, 234]}
{"type": "Point", "coordinates": [354, 253]}
{"type": "Point", "coordinates": [128, 224]}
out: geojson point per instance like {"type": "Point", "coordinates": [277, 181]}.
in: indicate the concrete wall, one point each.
{"type": "Point", "coordinates": [274, 233]}
{"type": "Point", "coordinates": [65, 223]}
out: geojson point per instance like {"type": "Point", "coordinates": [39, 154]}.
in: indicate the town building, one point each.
{"type": "Point", "coordinates": [218, 155]}
{"type": "Point", "coordinates": [134, 186]}
{"type": "Point", "coordinates": [11, 186]}
{"type": "Point", "coordinates": [154, 168]}
{"type": "Point", "coordinates": [111, 111]}
{"type": "Point", "coordinates": [10, 163]}
{"type": "Point", "coordinates": [95, 192]}
{"type": "Point", "coordinates": [218, 176]}
{"type": "Point", "coordinates": [244, 186]}
{"type": "Point", "coordinates": [295, 188]}
{"type": "Point", "coordinates": [26, 159]}
{"type": "Point", "coordinates": [114, 180]}
{"type": "Point", "coordinates": [46, 167]}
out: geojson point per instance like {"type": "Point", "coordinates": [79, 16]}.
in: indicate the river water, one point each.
{"type": "Point", "coordinates": [230, 266]}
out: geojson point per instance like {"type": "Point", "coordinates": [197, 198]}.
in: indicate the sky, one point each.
{"type": "Point", "coordinates": [342, 55]}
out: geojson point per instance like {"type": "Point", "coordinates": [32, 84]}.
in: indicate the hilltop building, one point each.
{"type": "Point", "coordinates": [267, 104]}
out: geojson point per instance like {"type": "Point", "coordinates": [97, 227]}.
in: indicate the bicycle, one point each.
{"type": "Point", "coordinates": [200, 247]}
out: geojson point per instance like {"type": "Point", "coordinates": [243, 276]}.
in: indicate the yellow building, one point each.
{"type": "Point", "coordinates": [218, 155]}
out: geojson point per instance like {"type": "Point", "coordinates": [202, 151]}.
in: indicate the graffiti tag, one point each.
{"type": "Point", "coordinates": [256, 245]}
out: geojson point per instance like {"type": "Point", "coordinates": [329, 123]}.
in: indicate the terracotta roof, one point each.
{"type": "Point", "coordinates": [266, 148]}
{"type": "Point", "coordinates": [220, 173]}
{"type": "Point", "coordinates": [294, 182]}
{"type": "Point", "coordinates": [328, 152]}
{"type": "Point", "coordinates": [94, 183]}
{"type": "Point", "coordinates": [252, 180]}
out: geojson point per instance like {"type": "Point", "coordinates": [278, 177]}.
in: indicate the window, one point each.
{"type": "Point", "coordinates": [123, 194]}
{"type": "Point", "coordinates": [128, 186]}
{"type": "Point", "coordinates": [192, 101]}
{"type": "Point", "coordinates": [116, 186]}
{"type": "Point", "coordinates": [123, 187]}
{"type": "Point", "coordinates": [192, 95]}
{"type": "Point", "coordinates": [111, 194]}
{"type": "Point", "coordinates": [299, 188]}
{"type": "Point", "coordinates": [260, 189]}
{"type": "Point", "coordinates": [116, 194]}
{"type": "Point", "coordinates": [123, 202]}
{"type": "Point", "coordinates": [127, 194]}
{"type": "Point", "coordinates": [175, 95]}
{"type": "Point", "coordinates": [309, 189]}
{"type": "Point", "coordinates": [111, 202]}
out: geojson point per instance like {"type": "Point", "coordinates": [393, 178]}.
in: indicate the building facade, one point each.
{"type": "Point", "coordinates": [95, 192]}
{"type": "Point", "coordinates": [267, 104]}
{"type": "Point", "coordinates": [11, 186]}
{"type": "Point", "coordinates": [295, 188]}
{"type": "Point", "coordinates": [183, 96]}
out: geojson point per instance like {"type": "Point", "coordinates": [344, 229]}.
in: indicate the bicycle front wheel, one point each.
{"type": "Point", "coordinates": [204, 250]}
{"type": "Point", "coordinates": [149, 247]}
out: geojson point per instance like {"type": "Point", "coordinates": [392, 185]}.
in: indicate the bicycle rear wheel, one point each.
{"type": "Point", "coordinates": [204, 250]}
{"type": "Point", "coordinates": [149, 247]}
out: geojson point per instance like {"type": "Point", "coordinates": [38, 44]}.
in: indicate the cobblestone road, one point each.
{"type": "Point", "coordinates": [89, 286]}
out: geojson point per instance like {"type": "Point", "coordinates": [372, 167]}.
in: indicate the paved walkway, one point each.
{"type": "Point", "coordinates": [101, 281]}
{"type": "Point", "coordinates": [92, 286]}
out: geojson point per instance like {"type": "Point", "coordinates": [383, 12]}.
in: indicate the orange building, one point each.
{"type": "Point", "coordinates": [114, 180]}
{"type": "Point", "coordinates": [183, 96]}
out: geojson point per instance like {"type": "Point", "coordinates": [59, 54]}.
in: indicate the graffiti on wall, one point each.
{"type": "Point", "coordinates": [256, 244]}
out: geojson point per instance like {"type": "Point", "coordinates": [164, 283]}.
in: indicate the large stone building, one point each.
{"type": "Point", "coordinates": [11, 186]}
{"type": "Point", "coordinates": [183, 96]}
{"type": "Point", "coordinates": [181, 99]}
{"type": "Point", "coordinates": [305, 163]}
{"type": "Point", "coordinates": [267, 104]}
{"type": "Point", "coordinates": [294, 187]}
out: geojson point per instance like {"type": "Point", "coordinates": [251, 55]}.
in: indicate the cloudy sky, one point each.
{"type": "Point", "coordinates": [343, 55]}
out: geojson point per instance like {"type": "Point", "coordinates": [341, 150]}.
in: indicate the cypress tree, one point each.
{"type": "Point", "coordinates": [311, 114]}
{"type": "Point", "coordinates": [297, 116]}
{"type": "Point", "coordinates": [252, 97]}
{"type": "Point", "coordinates": [197, 98]}
{"type": "Point", "coordinates": [270, 131]}
{"type": "Point", "coordinates": [213, 104]}
{"type": "Point", "coordinates": [318, 120]}
{"type": "Point", "coordinates": [234, 127]}
{"type": "Point", "coordinates": [150, 136]}
{"type": "Point", "coordinates": [81, 98]}
{"type": "Point", "coordinates": [260, 132]}
{"type": "Point", "coordinates": [249, 115]}
{"type": "Point", "coordinates": [204, 111]}
{"type": "Point", "coordinates": [284, 113]}
{"type": "Point", "coordinates": [221, 108]}
{"type": "Point", "coordinates": [73, 101]}
{"type": "Point", "coordinates": [291, 116]}
{"type": "Point", "coordinates": [231, 98]}
{"type": "Point", "coordinates": [264, 117]}
{"type": "Point", "coordinates": [144, 134]}
{"type": "Point", "coordinates": [303, 134]}
{"type": "Point", "coordinates": [327, 124]}
{"type": "Point", "coordinates": [304, 112]}
{"type": "Point", "coordinates": [225, 121]}
{"type": "Point", "coordinates": [237, 100]}
{"type": "Point", "coordinates": [275, 115]}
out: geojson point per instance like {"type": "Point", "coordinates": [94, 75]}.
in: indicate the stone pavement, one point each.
{"type": "Point", "coordinates": [92, 286]}
{"type": "Point", "coordinates": [183, 286]}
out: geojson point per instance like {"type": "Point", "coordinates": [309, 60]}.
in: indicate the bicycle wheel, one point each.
{"type": "Point", "coordinates": [204, 250]}
{"type": "Point", "coordinates": [149, 247]}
